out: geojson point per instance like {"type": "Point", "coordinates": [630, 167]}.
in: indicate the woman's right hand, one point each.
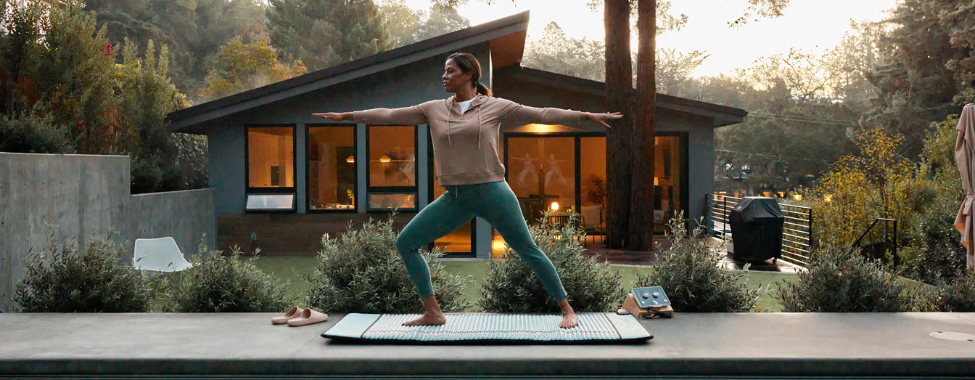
{"type": "Point", "coordinates": [335, 116]}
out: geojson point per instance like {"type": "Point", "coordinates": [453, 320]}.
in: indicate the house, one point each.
{"type": "Point", "coordinates": [283, 177]}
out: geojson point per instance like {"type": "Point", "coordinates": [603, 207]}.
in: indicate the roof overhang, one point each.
{"type": "Point", "coordinates": [722, 115]}
{"type": "Point", "coordinates": [506, 37]}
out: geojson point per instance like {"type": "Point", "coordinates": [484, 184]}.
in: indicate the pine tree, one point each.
{"type": "Point", "coordinates": [74, 76]}
{"type": "Point", "coordinates": [325, 33]}
{"type": "Point", "coordinates": [915, 85]}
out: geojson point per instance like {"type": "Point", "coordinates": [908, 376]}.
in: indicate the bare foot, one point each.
{"type": "Point", "coordinates": [569, 320]}
{"type": "Point", "coordinates": [427, 320]}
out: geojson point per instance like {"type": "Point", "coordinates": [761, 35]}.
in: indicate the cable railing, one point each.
{"type": "Point", "coordinates": [796, 231]}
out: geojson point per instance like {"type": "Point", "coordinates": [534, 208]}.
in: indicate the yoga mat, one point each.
{"type": "Point", "coordinates": [606, 328]}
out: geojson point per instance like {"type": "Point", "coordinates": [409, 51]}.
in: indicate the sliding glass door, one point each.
{"type": "Point", "coordinates": [567, 174]}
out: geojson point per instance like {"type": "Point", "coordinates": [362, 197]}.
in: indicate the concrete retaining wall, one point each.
{"type": "Point", "coordinates": [78, 195]}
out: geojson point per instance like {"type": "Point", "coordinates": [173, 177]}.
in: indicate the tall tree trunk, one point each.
{"type": "Point", "coordinates": [619, 84]}
{"type": "Point", "coordinates": [641, 199]}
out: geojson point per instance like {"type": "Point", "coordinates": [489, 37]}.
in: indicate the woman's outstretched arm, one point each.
{"type": "Point", "coordinates": [519, 112]}
{"type": "Point", "coordinates": [405, 115]}
{"type": "Point", "coordinates": [335, 116]}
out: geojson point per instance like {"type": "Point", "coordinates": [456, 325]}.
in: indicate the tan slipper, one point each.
{"type": "Point", "coordinates": [294, 312]}
{"type": "Point", "coordinates": [308, 316]}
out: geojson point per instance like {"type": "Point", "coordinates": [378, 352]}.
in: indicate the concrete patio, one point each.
{"type": "Point", "coordinates": [747, 345]}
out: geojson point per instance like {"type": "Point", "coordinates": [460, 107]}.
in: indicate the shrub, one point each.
{"type": "Point", "coordinates": [959, 295]}
{"type": "Point", "coordinates": [939, 255]}
{"type": "Point", "coordinates": [218, 283]}
{"type": "Point", "coordinates": [512, 286]}
{"type": "Point", "coordinates": [32, 135]}
{"type": "Point", "coordinates": [90, 281]}
{"type": "Point", "coordinates": [362, 272]}
{"type": "Point", "coordinates": [690, 275]}
{"type": "Point", "coordinates": [146, 176]}
{"type": "Point", "coordinates": [840, 282]}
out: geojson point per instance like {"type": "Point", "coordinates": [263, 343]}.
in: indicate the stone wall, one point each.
{"type": "Point", "coordinates": [78, 195]}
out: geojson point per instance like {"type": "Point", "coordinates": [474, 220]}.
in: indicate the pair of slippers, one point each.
{"type": "Point", "coordinates": [297, 316]}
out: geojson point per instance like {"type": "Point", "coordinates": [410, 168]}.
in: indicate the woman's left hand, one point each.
{"type": "Point", "coordinates": [602, 117]}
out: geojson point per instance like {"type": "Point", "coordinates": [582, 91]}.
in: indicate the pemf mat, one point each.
{"type": "Point", "coordinates": [605, 328]}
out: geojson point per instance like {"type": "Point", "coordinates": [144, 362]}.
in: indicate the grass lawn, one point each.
{"type": "Point", "coordinates": [296, 269]}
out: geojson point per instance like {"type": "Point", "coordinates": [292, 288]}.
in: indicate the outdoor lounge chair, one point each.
{"type": "Point", "coordinates": [162, 255]}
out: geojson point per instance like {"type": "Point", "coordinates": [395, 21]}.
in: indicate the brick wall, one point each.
{"type": "Point", "coordinates": [291, 234]}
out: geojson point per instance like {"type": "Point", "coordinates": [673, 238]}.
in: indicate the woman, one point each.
{"type": "Point", "coordinates": [472, 174]}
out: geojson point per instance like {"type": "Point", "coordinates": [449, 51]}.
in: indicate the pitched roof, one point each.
{"type": "Point", "coordinates": [722, 115]}
{"type": "Point", "coordinates": [507, 39]}
{"type": "Point", "coordinates": [507, 35]}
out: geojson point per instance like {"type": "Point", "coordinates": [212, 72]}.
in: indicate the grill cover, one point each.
{"type": "Point", "coordinates": [756, 229]}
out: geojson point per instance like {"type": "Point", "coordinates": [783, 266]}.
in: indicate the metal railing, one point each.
{"type": "Point", "coordinates": [889, 244]}
{"type": "Point", "coordinates": [796, 231]}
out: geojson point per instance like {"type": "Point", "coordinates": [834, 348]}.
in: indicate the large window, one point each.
{"type": "Point", "coordinates": [331, 168]}
{"type": "Point", "coordinates": [592, 171]}
{"type": "Point", "coordinates": [569, 173]}
{"type": "Point", "coordinates": [270, 168]}
{"type": "Point", "coordinates": [542, 174]}
{"type": "Point", "coordinates": [668, 179]}
{"type": "Point", "coordinates": [270, 157]}
{"type": "Point", "coordinates": [392, 168]}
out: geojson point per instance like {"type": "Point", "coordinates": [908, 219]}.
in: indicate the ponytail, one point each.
{"type": "Point", "coordinates": [483, 90]}
{"type": "Point", "coordinates": [467, 63]}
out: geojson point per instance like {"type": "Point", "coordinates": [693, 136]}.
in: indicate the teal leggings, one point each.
{"type": "Point", "coordinates": [494, 202]}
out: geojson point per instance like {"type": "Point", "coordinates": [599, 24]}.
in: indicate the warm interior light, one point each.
{"type": "Point", "coordinates": [384, 158]}
{"type": "Point", "coordinates": [797, 197]}
{"type": "Point", "coordinates": [350, 159]}
{"type": "Point", "coordinates": [656, 181]}
{"type": "Point", "coordinates": [555, 206]}
{"type": "Point", "coordinates": [781, 194]}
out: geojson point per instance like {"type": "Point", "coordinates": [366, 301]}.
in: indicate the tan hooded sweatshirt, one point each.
{"type": "Point", "coordinates": [466, 145]}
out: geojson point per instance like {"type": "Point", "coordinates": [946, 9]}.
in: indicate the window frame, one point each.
{"type": "Point", "coordinates": [294, 204]}
{"type": "Point", "coordinates": [393, 190]}
{"type": "Point", "coordinates": [355, 166]}
{"type": "Point", "coordinates": [293, 190]}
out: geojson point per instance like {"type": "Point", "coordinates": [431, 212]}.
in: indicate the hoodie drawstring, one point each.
{"type": "Point", "coordinates": [448, 123]}
{"type": "Point", "coordinates": [479, 125]}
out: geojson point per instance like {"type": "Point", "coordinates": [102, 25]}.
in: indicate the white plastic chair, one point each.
{"type": "Point", "coordinates": [160, 254]}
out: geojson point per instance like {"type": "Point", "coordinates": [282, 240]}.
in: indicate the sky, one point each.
{"type": "Point", "coordinates": [812, 25]}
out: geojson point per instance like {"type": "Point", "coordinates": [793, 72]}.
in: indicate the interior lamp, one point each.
{"type": "Point", "coordinates": [555, 206]}
{"type": "Point", "coordinates": [350, 160]}
{"type": "Point", "coordinates": [656, 181]}
{"type": "Point", "coordinates": [384, 158]}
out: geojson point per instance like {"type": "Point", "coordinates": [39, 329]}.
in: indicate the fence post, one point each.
{"type": "Point", "coordinates": [724, 218]}
{"type": "Point", "coordinates": [810, 233]}
{"type": "Point", "coordinates": [708, 221]}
